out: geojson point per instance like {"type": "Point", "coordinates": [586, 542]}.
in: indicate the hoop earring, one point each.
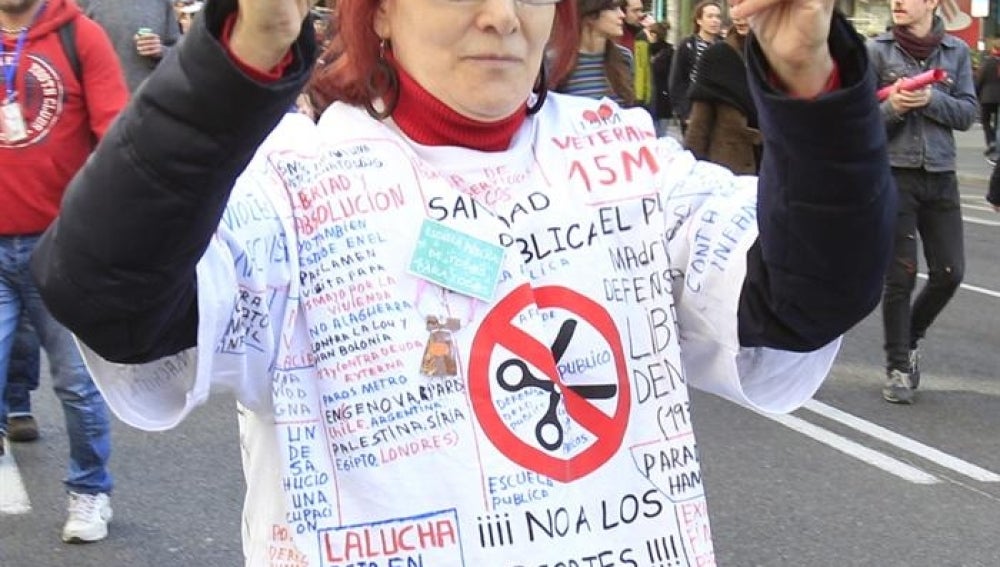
{"type": "Point", "coordinates": [540, 90]}
{"type": "Point", "coordinates": [385, 74]}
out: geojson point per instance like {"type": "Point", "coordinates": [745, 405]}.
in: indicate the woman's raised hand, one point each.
{"type": "Point", "coordinates": [793, 36]}
{"type": "Point", "coordinates": [265, 29]}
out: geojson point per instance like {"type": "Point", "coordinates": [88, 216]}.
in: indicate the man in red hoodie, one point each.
{"type": "Point", "coordinates": [50, 121]}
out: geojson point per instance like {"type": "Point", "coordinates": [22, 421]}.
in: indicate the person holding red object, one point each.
{"type": "Point", "coordinates": [919, 124]}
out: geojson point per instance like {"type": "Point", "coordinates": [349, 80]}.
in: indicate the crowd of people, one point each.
{"type": "Point", "coordinates": [484, 100]}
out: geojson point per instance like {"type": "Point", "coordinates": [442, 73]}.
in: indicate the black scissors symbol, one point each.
{"type": "Point", "coordinates": [549, 431]}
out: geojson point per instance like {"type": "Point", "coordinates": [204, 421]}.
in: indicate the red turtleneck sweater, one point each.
{"type": "Point", "coordinates": [427, 120]}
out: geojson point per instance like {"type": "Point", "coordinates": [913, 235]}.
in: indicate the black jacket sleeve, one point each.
{"type": "Point", "coordinates": [826, 207]}
{"type": "Point", "coordinates": [117, 267]}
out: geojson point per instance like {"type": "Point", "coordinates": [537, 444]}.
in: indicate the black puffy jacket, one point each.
{"type": "Point", "coordinates": [118, 265]}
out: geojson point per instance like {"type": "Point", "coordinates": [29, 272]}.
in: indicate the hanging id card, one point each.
{"type": "Point", "coordinates": [12, 122]}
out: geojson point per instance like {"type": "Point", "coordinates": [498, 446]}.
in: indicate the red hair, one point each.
{"type": "Point", "coordinates": [347, 65]}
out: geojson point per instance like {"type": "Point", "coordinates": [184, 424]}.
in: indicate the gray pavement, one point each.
{"type": "Point", "coordinates": [973, 171]}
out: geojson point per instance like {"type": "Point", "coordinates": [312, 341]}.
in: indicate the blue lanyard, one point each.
{"type": "Point", "coordinates": [10, 71]}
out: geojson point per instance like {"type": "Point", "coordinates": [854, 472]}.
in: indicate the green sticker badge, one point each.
{"type": "Point", "coordinates": [457, 261]}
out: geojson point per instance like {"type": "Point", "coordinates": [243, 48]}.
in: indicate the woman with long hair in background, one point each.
{"type": "Point", "coordinates": [602, 68]}
{"type": "Point", "coordinates": [684, 70]}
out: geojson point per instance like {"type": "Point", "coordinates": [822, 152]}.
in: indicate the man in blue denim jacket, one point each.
{"type": "Point", "coordinates": [919, 124]}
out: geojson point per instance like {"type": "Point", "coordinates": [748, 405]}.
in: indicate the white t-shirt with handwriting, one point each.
{"type": "Point", "coordinates": [392, 418]}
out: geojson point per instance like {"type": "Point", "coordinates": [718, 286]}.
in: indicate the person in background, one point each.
{"type": "Point", "coordinates": [51, 120]}
{"type": "Point", "coordinates": [325, 27]}
{"type": "Point", "coordinates": [662, 56]}
{"type": "Point", "coordinates": [451, 280]}
{"type": "Point", "coordinates": [23, 376]}
{"type": "Point", "coordinates": [324, 22]}
{"type": "Point", "coordinates": [993, 195]}
{"type": "Point", "coordinates": [657, 34]}
{"type": "Point", "coordinates": [633, 28]}
{"type": "Point", "coordinates": [920, 125]}
{"type": "Point", "coordinates": [684, 68]}
{"type": "Point", "coordinates": [601, 68]}
{"type": "Point", "coordinates": [642, 74]}
{"type": "Point", "coordinates": [185, 11]}
{"type": "Point", "coordinates": [141, 31]}
{"type": "Point", "coordinates": [988, 93]}
{"type": "Point", "coordinates": [722, 126]}
{"type": "Point", "coordinates": [636, 39]}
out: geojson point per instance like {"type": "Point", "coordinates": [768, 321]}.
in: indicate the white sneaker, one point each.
{"type": "Point", "coordinates": [89, 515]}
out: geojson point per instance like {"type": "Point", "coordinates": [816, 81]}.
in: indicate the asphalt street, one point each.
{"type": "Point", "coordinates": [847, 481]}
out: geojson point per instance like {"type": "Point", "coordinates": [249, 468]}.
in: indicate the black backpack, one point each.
{"type": "Point", "coordinates": [67, 36]}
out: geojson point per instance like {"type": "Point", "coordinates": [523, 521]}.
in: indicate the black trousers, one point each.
{"type": "Point", "coordinates": [929, 209]}
{"type": "Point", "coordinates": [988, 117]}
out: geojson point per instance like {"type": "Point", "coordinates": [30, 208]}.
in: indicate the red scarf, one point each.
{"type": "Point", "coordinates": [427, 120]}
{"type": "Point", "coordinates": [919, 47]}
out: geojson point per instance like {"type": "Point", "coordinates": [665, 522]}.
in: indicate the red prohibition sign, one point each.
{"type": "Point", "coordinates": [498, 330]}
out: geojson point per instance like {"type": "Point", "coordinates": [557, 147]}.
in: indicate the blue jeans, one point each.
{"type": "Point", "coordinates": [86, 415]}
{"type": "Point", "coordinates": [23, 368]}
